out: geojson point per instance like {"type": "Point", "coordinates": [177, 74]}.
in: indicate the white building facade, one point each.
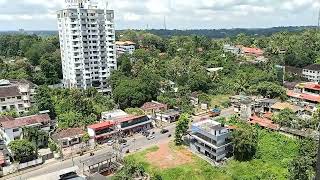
{"type": "Point", "coordinates": [87, 43]}
{"type": "Point", "coordinates": [125, 47]}
{"type": "Point", "coordinates": [12, 128]}
{"type": "Point", "coordinates": [211, 139]}
{"type": "Point", "coordinates": [16, 95]}
{"type": "Point", "coordinates": [312, 72]}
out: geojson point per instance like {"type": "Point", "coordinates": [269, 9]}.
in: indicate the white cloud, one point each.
{"type": "Point", "coordinates": [131, 17]}
{"type": "Point", "coordinates": [40, 14]}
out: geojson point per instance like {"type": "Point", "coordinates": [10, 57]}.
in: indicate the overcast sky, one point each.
{"type": "Point", "coordinates": [180, 14]}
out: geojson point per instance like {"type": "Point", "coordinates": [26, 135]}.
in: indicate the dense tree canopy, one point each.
{"type": "Point", "coordinates": [181, 128]}
{"type": "Point", "coordinates": [245, 143]}
{"type": "Point", "coordinates": [304, 165]}
{"type": "Point", "coordinates": [23, 150]}
{"type": "Point", "coordinates": [30, 57]}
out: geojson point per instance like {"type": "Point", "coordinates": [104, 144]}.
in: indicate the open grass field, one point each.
{"type": "Point", "coordinates": [275, 151]}
{"type": "Point", "coordinates": [219, 100]}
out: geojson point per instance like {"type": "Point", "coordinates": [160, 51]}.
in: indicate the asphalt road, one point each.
{"type": "Point", "coordinates": [135, 143]}
{"type": "Point", "coordinates": [139, 143]}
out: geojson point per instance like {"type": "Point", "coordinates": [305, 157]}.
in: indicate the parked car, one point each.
{"type": "Point", "coordinates": [121, 141]}
{"type": "Point", "coordinates": [169, 135]}
{"type": "Point", "coordinates": [163, 131]}
{"type": "Point", "coordinates": [214, 112]}
{"type": "Point", "coordinates": [110, 142]}
{"type": "Point", "coordinates": [145, 133]}
{"type": "Point", "coordinates": [124, 145]}
{"type": "Point", "coordinates": [150, 137]}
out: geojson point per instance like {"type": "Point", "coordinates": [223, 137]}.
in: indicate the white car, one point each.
{"type": "Point", "coordinates": [150, 137]}
{"type": "Point", "coordinates": [110, 142]}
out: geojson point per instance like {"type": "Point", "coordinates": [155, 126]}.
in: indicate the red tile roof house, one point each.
{"type": "Point", "coordinates": [127, 125]}
{"type": "Point", "coordinates": [151, 108]}
{"type": "Point", "coordinates": [252, 51]}
{"type": "Point", "coordinates": [11, 128]}
{"type": "Point", "coordinates": [306, 92]}
{"type": "Point", "coordinates": [263, 122]}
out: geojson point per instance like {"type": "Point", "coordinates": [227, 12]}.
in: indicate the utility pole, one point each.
{"type": "Point", "coordinates": [164, 23]}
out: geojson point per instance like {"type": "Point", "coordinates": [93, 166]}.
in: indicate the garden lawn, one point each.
{"type": "Point", "coordinates": [275, 151]}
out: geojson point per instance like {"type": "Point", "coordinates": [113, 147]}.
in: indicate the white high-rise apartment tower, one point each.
{"type": "Point", "coordinates": [87, 42]}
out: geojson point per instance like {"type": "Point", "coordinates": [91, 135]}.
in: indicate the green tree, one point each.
{"type": "Point", "coordinates": [268, 89]}
{"type": "Point", "coordinates": [130, 93]}
{"type": "Point", "coordinates": [53, 146]}
{"type": "Point", "coordinates": [22, 150]}
{"type": "Point", "coordinates": [181, 128]}
{"type": "Point", "coordinates": [131, 170]}
{"type": "Point", "coordinates": [304, 165]}
{"type": "Point", "coordinates": [85, 138]}
{"type": "Point", "coordinates": [38, 137]}
{"type": "Point", "coordinates": [44, 101]}
{"type": "Point", "coordinates": [287, 118]}
{"type": "Point", "coordinates": [245, 143]}
{"type": "Point", "coordinates": [69, 119]}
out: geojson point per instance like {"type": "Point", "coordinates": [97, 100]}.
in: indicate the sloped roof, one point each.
{"type": "Point", "coordinates": [70, 132]}
{"type": "Point", "coordinates": [315, 67]}
{"type": "Point", "coordinates": [309, 97]}
{"type": "Point", "coordinates": [252, 50]}
{"type": "Point", "coordinates": [9, 91]}
{"type": "Point", "coordinates": [263, 122]}
{"type": "Point", "coordinates": [9, 122]}
{"type": "Point", "coordinates": [153, 105]}
{"type": "Point", "coordinates": [101, 125]}
{"type": "Point", "coordinates": [128, 118]}
{"type": "Point", "coordinates": [313, 86]}
{"type": "Point", "coordinates": [125, 43]}
{"type": "Point", "coordinates": [284, 105]}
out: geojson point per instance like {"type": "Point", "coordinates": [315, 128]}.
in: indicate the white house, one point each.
{"type": "Point", "coordinates": [11, 128]}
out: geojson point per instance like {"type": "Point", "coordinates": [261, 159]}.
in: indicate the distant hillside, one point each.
{"type": "Point", "coordinates": [222, 33]}
{"type": "Point", "coordinates": [212, 33]}
{"type": "Point", "coordinates": [39, 33]}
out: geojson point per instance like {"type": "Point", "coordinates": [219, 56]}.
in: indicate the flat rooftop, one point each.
{"type": "Point", "coordinates": [208, 125]}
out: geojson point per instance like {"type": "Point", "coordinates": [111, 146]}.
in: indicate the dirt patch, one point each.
{"type": "Point", "coordinates": [166, 157]}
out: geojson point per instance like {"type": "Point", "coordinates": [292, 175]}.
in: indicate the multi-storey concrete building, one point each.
{"type": "Point", "coordinates": [87, 42]}
{"type": "Point", "coordinates": [210, 138]}
{"type": "Point", "coordinates": [312, 72]}
{"type": "Point", "coordinates": [125, 47]}
{"type": "Point", "coordinates": [16, 95]}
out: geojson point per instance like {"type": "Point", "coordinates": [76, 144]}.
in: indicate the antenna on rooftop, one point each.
{"type": "Point", "coordinates": [107, 4]}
